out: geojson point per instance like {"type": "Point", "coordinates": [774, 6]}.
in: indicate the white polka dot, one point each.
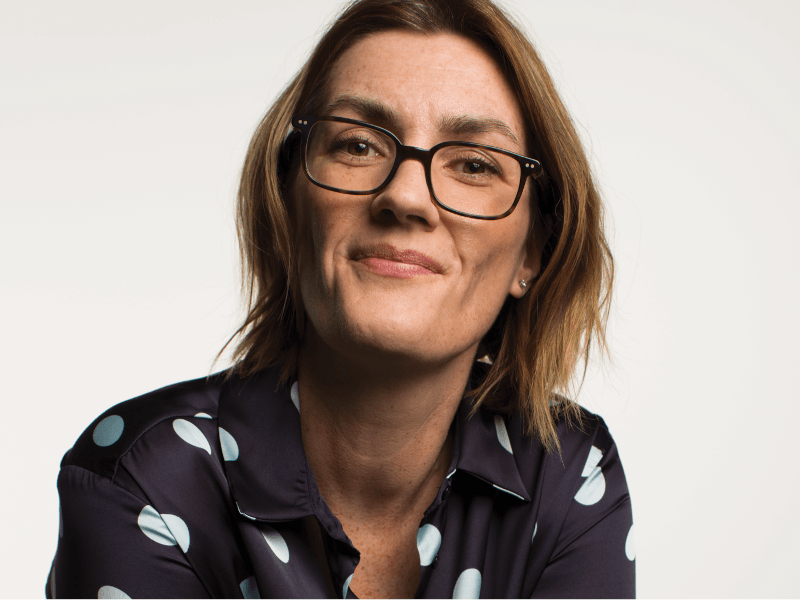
{"type": "Point", "coordinates": [167, 530]}
{"type": "Point", "coordinates": [502, 433]}
{"type": "Point", "coordinates": [591, 461]}
{"type": "Point", "coordinates": [468, 584]}
{"type": "Point", "coordinates": [179, 530]}
{"type": "Point", "coordinates": [346, 585]}
{"type": "Point", "coordinates": [428, 542]}
{"type": "Point", "coordinates": [295, 393]}
{"type": "Point", "coordinates": [594, 487]}
{"type": "Point", "coordinates": [153, 526]}
{"type": "Point", "coordinates": [108, 430]}
{"type": "Point", "coordinates": [203, 416]}
{"type": "Point", "coordinates": [535, 528]}
{"type": "Point", "coordinates": [191, 434]}
{"type": "Point", "coordinates": [109, 591]}
{"type": "Point", "coordinates": [630, 545]}
{"type": "Point", "coordinates": [276, 543]}
{"type": "Point", "coordinates": [230, 449]}
{"type": "Point", "coordinates": [249, 588]}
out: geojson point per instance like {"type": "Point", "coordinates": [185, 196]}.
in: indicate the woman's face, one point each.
{"type": "Point", "coordinates": [392, 275]}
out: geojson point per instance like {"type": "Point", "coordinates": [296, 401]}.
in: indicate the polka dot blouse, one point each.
{"type": "Point", "coordinates": [202, 489]}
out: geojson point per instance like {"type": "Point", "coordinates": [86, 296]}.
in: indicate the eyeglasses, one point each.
{"type": "Point", "coordinates": [471, 180]}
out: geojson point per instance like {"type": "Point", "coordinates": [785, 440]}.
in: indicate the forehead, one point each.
{"type": "Point", "coordinates": [424, 80]}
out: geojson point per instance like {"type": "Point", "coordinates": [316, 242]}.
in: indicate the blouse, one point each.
{"type": "Point", "coordinates": [202, 489]}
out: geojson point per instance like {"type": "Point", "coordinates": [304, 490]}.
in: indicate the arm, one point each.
{"type": "Point", "coordinates": [110, 544]}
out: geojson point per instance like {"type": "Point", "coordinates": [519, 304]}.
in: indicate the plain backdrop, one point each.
{"type": "Point", "coordinates": [123, 127]}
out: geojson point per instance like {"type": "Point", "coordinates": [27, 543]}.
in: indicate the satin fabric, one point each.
{"type": "Point", "coordinates": [202, 489]}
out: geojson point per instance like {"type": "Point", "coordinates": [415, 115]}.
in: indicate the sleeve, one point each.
{"type": "Point", "coordinates": [113, 544]}
{"type": "Point", "coordinates": [595, 554]}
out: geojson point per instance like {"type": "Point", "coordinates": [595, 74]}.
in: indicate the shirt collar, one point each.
{"type": "Point", "coordinates": [485, 450]}
{"type": "Point", "coordinates": [270, 478]}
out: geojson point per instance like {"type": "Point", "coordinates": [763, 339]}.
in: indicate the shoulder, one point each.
{"type": "Point", "coordinates": [584, 438]}
{"type": "Point", "coordinates": [113, 434]}
{"type": "Point", "coordinates": [150, 470]}
{"type": "Point", "coordinates": [587, 470]}
{"type": "Point", "coordinates": [586, 434]}
{"type": "Point", "coordinates": [577, 488]}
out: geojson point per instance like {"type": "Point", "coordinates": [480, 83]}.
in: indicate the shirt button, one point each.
{"type": "Point", "coordinates": [435, 561]}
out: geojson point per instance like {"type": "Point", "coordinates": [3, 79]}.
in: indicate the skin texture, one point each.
{"type": "Point", "coordinates": [390, 343]}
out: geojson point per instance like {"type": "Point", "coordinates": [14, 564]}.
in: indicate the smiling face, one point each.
{"type": "Point", "coordinates": [391, 274]}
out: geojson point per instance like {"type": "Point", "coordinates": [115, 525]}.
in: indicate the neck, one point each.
{"type": "Point", "coordinates": [377, 438]}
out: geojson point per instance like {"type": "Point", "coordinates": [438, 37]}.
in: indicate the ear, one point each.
{"type": "Point", "coordinates": [526, 273]}
{"type": "Point", "coordinates": [531, 262]}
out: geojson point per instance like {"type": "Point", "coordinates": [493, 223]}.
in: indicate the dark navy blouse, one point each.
{"type": "Point", "coordinates": [202, 489]}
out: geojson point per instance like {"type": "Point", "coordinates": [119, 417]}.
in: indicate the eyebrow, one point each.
{"type": "Point", "coordinates": [466, 124]}
{"type": "Point", "coordinates": [372, 110]}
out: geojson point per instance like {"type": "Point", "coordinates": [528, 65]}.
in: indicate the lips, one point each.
{"type": "Point", "coordinates": [385, 259]}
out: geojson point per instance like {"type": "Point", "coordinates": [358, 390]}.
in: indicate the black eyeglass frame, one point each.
{"type": "Point", "coordinates": [528, 166]}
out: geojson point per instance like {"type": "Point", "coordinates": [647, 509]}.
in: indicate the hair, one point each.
{"type": "Point", "coordinates": [538, 343]}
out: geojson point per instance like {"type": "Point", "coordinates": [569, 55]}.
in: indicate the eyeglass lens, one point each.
{"type": "Point", "coordinates": [354, 158]}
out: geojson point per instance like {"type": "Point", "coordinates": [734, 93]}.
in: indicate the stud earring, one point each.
{"type": "Point", "coordinates": [523, 284]}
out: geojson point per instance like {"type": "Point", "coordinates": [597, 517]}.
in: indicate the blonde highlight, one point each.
{"type": "Point", "coordinates": [538, 343]}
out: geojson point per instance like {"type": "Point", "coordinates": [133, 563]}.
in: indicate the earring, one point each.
{"type": "Point", "coordinates": [523, 284]}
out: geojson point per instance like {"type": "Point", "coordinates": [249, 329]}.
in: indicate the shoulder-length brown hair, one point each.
{"type": "Point", "coordinates": [536, 343]}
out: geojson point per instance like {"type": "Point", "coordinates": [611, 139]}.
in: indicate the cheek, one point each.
{"type": "Point", "coordinates": [491, 258]}
{"type": "Point", "coordinates": [324, 220]}
{"type": "Point", "coordinates": [309, 239]}
{"type": "Point", "coordinates": [488, 281]}
{"type": "Point", "coordinates": [312, 234]}
{"type": "Point", "coordinates": [496, 252]}
{"type": "Point", "coordinates": [313, 219]}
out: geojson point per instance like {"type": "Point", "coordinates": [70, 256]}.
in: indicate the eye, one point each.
{"type": "Point", "coordinates": [357, 144]}
{"type": "Point", "coordinates": [361, 149]}
{"type": "Point", "coordinates": [474, 165]}
{"type": "Point", "coordinates": [474, 168]}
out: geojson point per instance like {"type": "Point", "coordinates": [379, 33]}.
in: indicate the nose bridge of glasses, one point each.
{"type": "Point", "coordinates": [420, 155]}
{"type": "Point", "coordinates": [413, 153]}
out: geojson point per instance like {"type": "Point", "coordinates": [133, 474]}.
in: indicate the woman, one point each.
{"type": "Point", "coordinates": [416, 199]}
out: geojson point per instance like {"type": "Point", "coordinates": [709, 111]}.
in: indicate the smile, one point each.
{"type": "Point", "coordinates": [384, 259]}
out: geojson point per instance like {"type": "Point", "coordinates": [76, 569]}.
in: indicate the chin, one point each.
{"type": "Point", "coordinates": [385, 338]}
{"type": "Point", "coordinates": [391, 331]}
{"type": "Point", "coordinates": [386, 321]}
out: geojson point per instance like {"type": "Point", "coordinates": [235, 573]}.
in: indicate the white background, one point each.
{"type": "Point", "coordinates": [122, 132]}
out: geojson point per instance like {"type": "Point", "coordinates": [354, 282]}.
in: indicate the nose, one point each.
{"type": "Point", "coordinates": [407, 199]}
